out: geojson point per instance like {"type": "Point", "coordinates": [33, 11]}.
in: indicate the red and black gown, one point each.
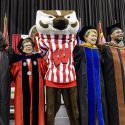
{"type": "Point", "coordinates": [28, 73]}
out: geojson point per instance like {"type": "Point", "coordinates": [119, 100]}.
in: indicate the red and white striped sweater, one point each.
{"type": "Point", "coordinates": [59, 48]}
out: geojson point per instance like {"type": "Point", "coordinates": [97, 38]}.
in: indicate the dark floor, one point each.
{"type": "Point", "coordinates": [61, 117]}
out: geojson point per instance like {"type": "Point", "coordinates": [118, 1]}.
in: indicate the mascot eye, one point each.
{"type": "Point", "coordinates": [68, 16]}
{"type": "Point", "coordinates": [50, 17]}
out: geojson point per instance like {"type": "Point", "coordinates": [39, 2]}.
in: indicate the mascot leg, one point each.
{"type": "Point", "coordinates": [53, 101]}
{"type": "Point", "coordinates": [70, 101]}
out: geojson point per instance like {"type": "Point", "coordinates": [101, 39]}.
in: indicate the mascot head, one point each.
{"type": "Point", "coordinates": [57, 22]}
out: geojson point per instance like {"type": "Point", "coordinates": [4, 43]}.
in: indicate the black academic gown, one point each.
{"type": "Point", "coordinates": [85, 75]}
{"type": "Point", "coordinates": [114, 77]}
{"type": "Point", "coordinates": [5, 58]}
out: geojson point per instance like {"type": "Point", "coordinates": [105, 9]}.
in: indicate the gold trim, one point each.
{"type": "Point", "coordinates": [87, 44]}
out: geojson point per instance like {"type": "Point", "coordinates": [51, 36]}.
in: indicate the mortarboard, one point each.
{"type": "Point", "coordinates": [113, 27]}
{"type": "Point", "coordinates": [84, 30]}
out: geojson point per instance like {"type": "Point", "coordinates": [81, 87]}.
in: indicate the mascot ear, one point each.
{"type": "Point", "coordinates": [33, 31]}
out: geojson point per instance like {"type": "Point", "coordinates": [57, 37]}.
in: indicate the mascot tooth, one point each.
{"type": "Point", "coordinates": [56, 37]}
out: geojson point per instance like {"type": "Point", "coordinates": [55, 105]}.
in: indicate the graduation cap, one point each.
{"type": "Point", "coordinates": [84, 30]}
{"type": "Point", "coordinates": [113, 27]}
{"type": "Point", "coordinates": [21, 42]}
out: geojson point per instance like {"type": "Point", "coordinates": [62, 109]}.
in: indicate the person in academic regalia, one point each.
{"type": "Point", "coordinates": [91, 95]}
{"type": "Point", "coordinates": [28, 70]}
{"type": "Point", "coordinates": [5, 59]}
{"type": "Point", "coordinates": [113, 53]}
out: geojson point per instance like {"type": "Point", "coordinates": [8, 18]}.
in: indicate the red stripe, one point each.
{"type": "Point", "coordinates": [64, 66]}
{"type": "Point", "coordinates": [74, 44]}
{"type": "Point", "coordinates": [50, 46]}
{"type": "Point", "coordinates": [47, 74]}
{"type": "Point", "coordinates": [57, 46]}
{"type": "Point", "coordinates": [36, 35]}
{"type": "Point", "coordinates": [43, 42]}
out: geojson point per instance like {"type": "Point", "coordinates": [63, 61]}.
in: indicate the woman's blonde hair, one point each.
{"type": "Point", "coordinates": [89, 31]}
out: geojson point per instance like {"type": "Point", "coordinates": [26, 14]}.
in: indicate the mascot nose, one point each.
{"type": "Point", "coordinates": [60, 23]}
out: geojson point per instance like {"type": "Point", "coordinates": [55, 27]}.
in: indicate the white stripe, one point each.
{"type": "Point", "coordinates": [54, 69]}
{"type": "Point", "coordinates": [41, 46]}
{"type": "Point", "coordinates": [61, 73]}
{"type": "Point", "coordinates": [71, 74]}
{"type": "Point", "coordinates": [67, 65]}
{"type": "Point", "coordinates": [50, 64]}
{"type": "Point", "coordinates": [66, 45]}
{"type": "Point", "coordinates": [58, 12]}
{"type": "Point", "coordinates": [55, 76]}
{"type": "Point", "coordinates": [70, 65]}
{"type": "Point", "coordinates": [67, 72]}
{"type": "Point", "coordinates": [61, 65]}
{"type": "Point", "coordinates": [60, 42]}
{"type": "Point", "coordinates": [53, 45]}
{"type": "Point", "coordinates": [50, 75]}
{"type": "Point", "coordinates": [46, 41]}
{"type": "Point", "coordinates": [49, 61]}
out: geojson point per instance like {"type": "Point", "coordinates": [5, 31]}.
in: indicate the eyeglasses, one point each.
{"type": "Point", "coordinates": [27, 45]}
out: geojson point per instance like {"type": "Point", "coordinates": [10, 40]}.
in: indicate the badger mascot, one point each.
{"type": "Point", "coordinates": [56, 38]}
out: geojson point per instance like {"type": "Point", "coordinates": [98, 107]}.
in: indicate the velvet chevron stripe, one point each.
{"type": "Point", "coordinates": [35, 94]}
{"type": "Point", "coordinates": [91, 92]}
{"type": "Point", "coordinates": [94, 89]}
{"type": "Point", "coordinates": [96, 66]}
{"type": "Point", "coordinates": [119, 85]}
{"type": "Point", "coordinates": [26, 95]}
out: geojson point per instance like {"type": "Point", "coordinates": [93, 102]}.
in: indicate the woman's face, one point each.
{"type": "Point", "coordinates": [28, 47]}
{"type": "Point", "coordinates": [91, 37]}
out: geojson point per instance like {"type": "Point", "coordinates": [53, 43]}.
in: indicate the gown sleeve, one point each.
{"type": "Point", "coordinates": [14, 68]}
{"type": "Point", "coordinates": [77, 56]}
